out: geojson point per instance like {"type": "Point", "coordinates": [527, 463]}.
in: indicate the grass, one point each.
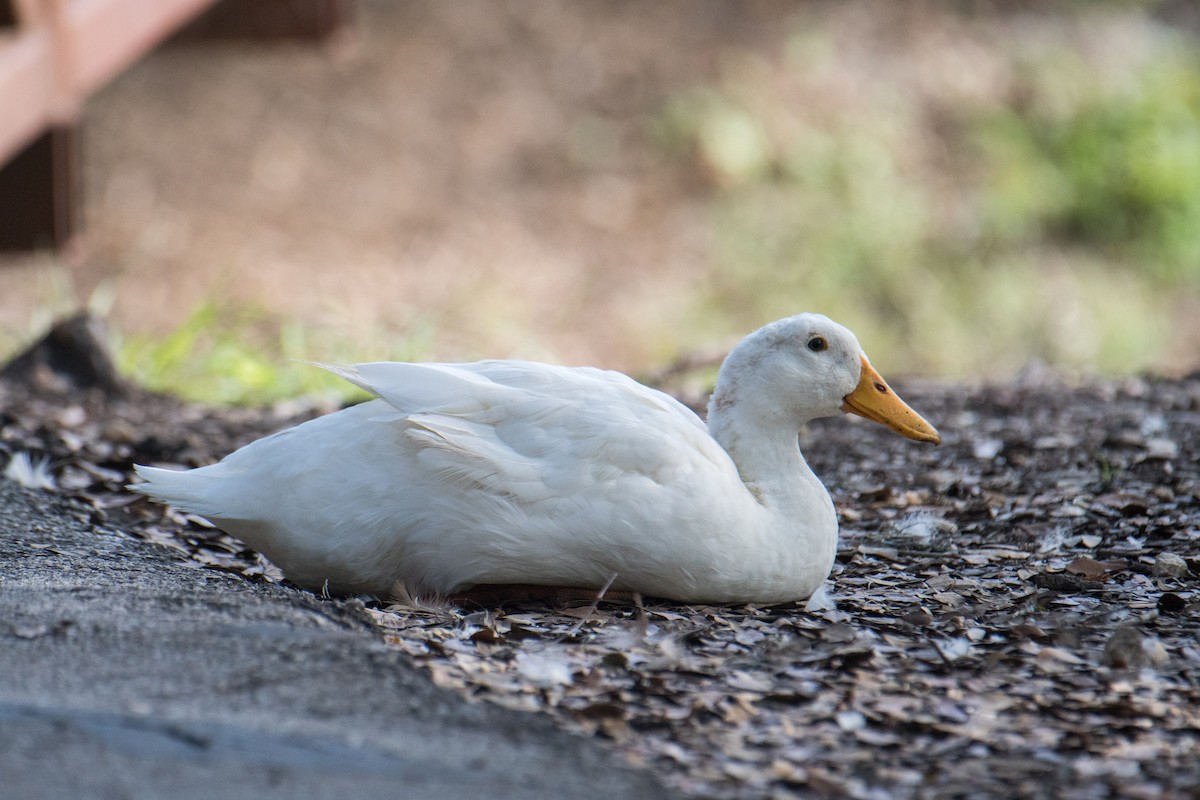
{"type": "Point", "coordinates": [242, 356]}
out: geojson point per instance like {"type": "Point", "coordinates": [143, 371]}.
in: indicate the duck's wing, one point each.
{"type": "Point", "coordinates": [534, 433]}
{"type": "Point", "coordinates": [414, 387]}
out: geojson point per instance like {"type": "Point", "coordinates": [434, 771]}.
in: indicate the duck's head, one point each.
{"type": "Point", "coordinates": [805, 367]}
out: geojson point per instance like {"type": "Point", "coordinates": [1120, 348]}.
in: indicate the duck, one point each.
{"type": "Point", "coordinates": [512, 473]}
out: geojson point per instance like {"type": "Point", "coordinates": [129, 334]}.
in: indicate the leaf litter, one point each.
{"type": "Point", "coordinates": [1013, 614]}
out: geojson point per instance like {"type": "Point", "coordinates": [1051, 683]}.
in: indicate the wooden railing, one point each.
{"type": "Point", "coordinates": [55, 53]}
{"type": "Point", "coordinates": [58, 52]}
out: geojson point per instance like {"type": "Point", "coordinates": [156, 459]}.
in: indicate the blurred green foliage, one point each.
{"type": "Point", "coordinates": [239, 355]}
{"type": "Point", "coordinates": [1059, 218]}
{"type": "Point", "coordinates": [1121, 170]}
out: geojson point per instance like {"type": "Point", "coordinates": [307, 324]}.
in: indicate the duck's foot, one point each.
{"type": "Point", "coordinates": [494, 594]}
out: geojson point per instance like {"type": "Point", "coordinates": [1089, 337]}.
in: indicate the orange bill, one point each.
{"type": "Point", "coordinates": [876, 401]}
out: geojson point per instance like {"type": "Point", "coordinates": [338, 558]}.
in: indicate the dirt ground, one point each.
{"type": "Point", "coordinates": [1012, 614]}
{"type": "Point", "coordinates": [481, 169]}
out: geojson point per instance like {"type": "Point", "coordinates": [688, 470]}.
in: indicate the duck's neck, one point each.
{"type": "Point", "coordinates": [801, 524]}
{"type": "Point", "coordinates": [767, 456]}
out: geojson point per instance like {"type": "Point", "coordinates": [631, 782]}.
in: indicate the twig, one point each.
{"type": "Point", "coordinates": [938, 650]}
{"type": "Point", "coordinates": [591, 610]}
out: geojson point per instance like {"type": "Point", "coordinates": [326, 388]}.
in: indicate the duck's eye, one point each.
{"type": "Point", "coordinates": [817, 344]}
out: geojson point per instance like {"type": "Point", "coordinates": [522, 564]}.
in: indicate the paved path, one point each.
{"type": "Point", "coordinates": [126, 673]}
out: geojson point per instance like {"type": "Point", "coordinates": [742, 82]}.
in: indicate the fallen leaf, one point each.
{"type": "Point", "coordinates": [1094, 570]}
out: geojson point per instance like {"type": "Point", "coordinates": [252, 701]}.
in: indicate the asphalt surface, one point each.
{"type": "Point", "coordinates": [127, 673]}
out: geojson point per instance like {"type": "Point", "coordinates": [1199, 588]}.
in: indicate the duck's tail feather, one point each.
{"type": "Point", "coordinates": [191, 490]}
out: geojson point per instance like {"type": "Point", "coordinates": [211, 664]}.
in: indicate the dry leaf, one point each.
{"type": "Point", "coordinates": [1094, 570]}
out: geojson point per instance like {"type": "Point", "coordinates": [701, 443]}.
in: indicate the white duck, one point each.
{"type": "Point", "coordinates": [510, 472]}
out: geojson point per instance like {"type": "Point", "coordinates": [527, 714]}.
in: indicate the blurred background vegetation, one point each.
{"type": "Point", "coordinates": [971, 187]}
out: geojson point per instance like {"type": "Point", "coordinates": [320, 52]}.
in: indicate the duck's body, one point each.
{"type": "Point", "coordinates": [504, 472]}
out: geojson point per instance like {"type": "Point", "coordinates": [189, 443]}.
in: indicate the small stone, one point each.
{"type": "Point", "coordinates": [1171, 603]}
{"type": "Point", "coordinates": [1170, 565]}
{"type": "Point", "coordinates": [987, 449]}
{"type": "Point", "coordinates": [1160, 447]}
{"type": "Point", "coordinates": [851, 720]}
{"type": "Point", "coordinates": [1129, 648]}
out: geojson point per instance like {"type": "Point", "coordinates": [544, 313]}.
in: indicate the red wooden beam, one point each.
{"type": "Point", "coordinates": [55, 53]}
{"type": "Point", "coordinates": [28, 86]}
{"type": "Point", "coordinates": [61, 51]}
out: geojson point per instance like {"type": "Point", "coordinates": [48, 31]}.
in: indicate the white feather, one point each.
{"type": "Point", "coordinates": [29, 473]}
